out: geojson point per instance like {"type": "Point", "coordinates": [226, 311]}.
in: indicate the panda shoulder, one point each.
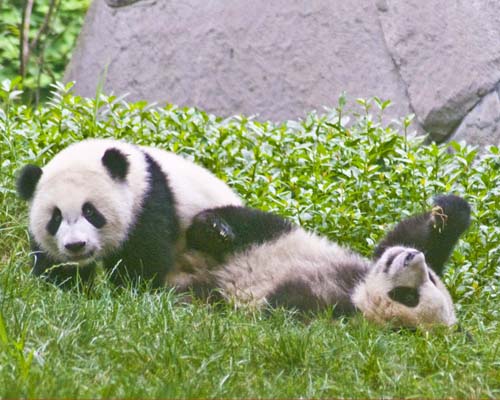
{"type": "Point", "coordinates": [188, 179]}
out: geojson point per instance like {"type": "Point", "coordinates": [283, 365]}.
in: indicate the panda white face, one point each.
{"type": "Point", "coordinates": [78, 216]}
{"type": "Point", "coordinates": [402, 289]}
{"type": "Point", "coordinates": [76, 235]}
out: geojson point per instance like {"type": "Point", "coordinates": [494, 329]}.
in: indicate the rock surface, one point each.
{"type": "Point", "coordinates": [279, 59]}
{"type": "Point", "coordinates": [448, 53]}
{"type": "Point", "coordinates": [483, 121]}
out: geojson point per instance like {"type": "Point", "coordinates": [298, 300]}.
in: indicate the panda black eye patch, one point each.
{"type": "Point", "coordinates": [390, 260]}
{"type": "Point", "coordinates": [55, 221]}
{"type": "Point", "coordinates": [93, 215]}
{"type": "Point", "coordinates": [407, 296]}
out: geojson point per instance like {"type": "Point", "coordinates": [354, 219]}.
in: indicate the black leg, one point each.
{"type": "Point", "coordinates": [137, 266]}
{"type": "Point", "coordinates": [222, 231]}
{"type": "Point", "coordinates": [211, 234]}
{"type": "Point", "coordinates": [435, 233]}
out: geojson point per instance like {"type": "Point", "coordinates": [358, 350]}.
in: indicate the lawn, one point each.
{"type": "Point", "coordinates": [342, 173]}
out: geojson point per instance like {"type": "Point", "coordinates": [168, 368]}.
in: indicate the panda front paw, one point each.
{"type": "Point", "coordinates": [452, 213]}
{"type": "Point", "coordinates": [210, 233]}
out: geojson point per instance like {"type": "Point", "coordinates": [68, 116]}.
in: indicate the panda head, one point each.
{"type": "Point", "coordinates": [79, 202]}
{"type": "Point", "coordinates": [403, 290]}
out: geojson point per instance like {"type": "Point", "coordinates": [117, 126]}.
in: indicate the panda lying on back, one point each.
{"type": "Point", "coordinates": [255, 257]}
{"type": "Point", "coordinates": [109, 200]}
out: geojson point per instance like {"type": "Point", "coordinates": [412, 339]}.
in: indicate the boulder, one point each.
{"type": "Point", "coordinates": [481, 126]}
{"type": "Point", "coordinates": [448, 54]}
{"type": "Point", "coordinates": [280, 59]}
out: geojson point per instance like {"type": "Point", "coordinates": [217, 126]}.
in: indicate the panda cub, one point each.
{"type": "Point", "coordinates": [129, 206]}
{"type": "Point", "coordinates": [255, 257]}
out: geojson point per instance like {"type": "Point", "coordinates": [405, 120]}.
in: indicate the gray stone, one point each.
{"type": "Point", "coordinates": [481, 126]}
{"type": "Point", "coordinates": [448, 54]}
{"type": "Point", "coordinates": [120, 3]}
{"type": "Point", "coordinates": [280, 59]}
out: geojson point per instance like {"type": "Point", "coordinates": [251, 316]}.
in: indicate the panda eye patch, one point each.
{"type": "Point", "coordinates": [93, 215]}
{"type": "Point", "coordinates": [88, 210]}
{"type": "Point", "coordinates": [55, 221]}
{"type": "Point", "coordinates": [389, 261]}
{"type": "Point", "coordinates": [407, 296]}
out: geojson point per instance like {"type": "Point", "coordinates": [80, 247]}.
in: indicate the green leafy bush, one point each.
{"type": "Point", "coordinates": [350, 182]}
{"type": "Point", "coordinates": [53, 26]}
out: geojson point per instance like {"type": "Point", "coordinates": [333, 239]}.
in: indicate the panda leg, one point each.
{"type": "Point", "coordinates": [135, 266]}
{"type": "Point", "coordinates": [71, 276]}
{"type": "Point", "coordinates": [211, 234]}
{"type": "Point", "coordinates": [149, 253]}
{"type": "Point", "coordinates": [435, 232]}
{"type": "Point", "coordinates": [222, 231]}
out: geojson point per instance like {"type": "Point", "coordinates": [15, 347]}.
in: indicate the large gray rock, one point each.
{"type": "Point", "coordinates": [483, 121]}
{"type": "Point", "coordinates": [282, 58]}
{"type": "Point", "coordinates": [448, 53]}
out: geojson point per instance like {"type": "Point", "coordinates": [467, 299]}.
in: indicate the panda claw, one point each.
{"type": "Point", "coordinates": [224, 230]}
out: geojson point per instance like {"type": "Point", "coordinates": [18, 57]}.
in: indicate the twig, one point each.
{"type": "Point", "coordinates": [45, 25]}
{"type": "Point", "coordinates": [25, 28]}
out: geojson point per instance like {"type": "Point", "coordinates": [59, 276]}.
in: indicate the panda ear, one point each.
{"type": "Point", "coordinates": [116, 163]}
{"type": "Point", "coordinates": [27, 181]}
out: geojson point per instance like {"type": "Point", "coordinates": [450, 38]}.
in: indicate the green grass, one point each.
{"type": "Point", "coordinates": [350, 184]}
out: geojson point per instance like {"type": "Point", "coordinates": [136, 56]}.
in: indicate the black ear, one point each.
{"type": "Point", "coordinates": [116, 163]}
{"type": "Point", "coordinates": [27, 181]}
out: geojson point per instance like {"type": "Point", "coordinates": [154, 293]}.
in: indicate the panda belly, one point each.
{"type": "Point", "coordinates": [298, 270]}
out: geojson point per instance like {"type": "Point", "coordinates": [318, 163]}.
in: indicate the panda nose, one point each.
{"type": "Point", "coordinates": [75, 247]}
{"type": "Point", "coordinates": [410, 256]}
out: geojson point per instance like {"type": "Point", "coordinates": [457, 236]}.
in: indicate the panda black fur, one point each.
{"type": "Point", "coordinates": [129, 206]}
{"type": "Point", "coordinates": [254, 257]}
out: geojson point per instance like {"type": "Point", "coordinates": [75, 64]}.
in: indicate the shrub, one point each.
{"type": "Point", "coordinates": [52, 27]}
{"type": "Point", "coordinates": [349, 182]}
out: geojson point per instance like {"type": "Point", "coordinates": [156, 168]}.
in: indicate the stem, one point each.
{"type": "Point", "coordinates": [45, 25]}
{"type": "Point", "coordinates": [24, 40]}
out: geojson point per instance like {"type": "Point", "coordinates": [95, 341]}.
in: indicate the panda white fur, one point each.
{"type": "Point", "coordinates": [103, 199]}
{"type": "Point", "coordinates": [250, 256]}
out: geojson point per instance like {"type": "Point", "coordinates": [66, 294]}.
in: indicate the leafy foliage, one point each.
{"type": "Point", "coordinates": [53, 28]}
{"type": "Point", "coordinates": [341, 173]}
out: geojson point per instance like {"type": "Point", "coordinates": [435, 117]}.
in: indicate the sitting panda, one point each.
{"type": "Point", "coordinates": [250, 256]}
{"type": "Point", "coordinates": [129, 206]}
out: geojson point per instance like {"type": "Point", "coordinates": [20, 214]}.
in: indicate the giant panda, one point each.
{"type": "Point", "coordinates": [254, 257]}
{"type": "Point", "coordinates": [111, 201]}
